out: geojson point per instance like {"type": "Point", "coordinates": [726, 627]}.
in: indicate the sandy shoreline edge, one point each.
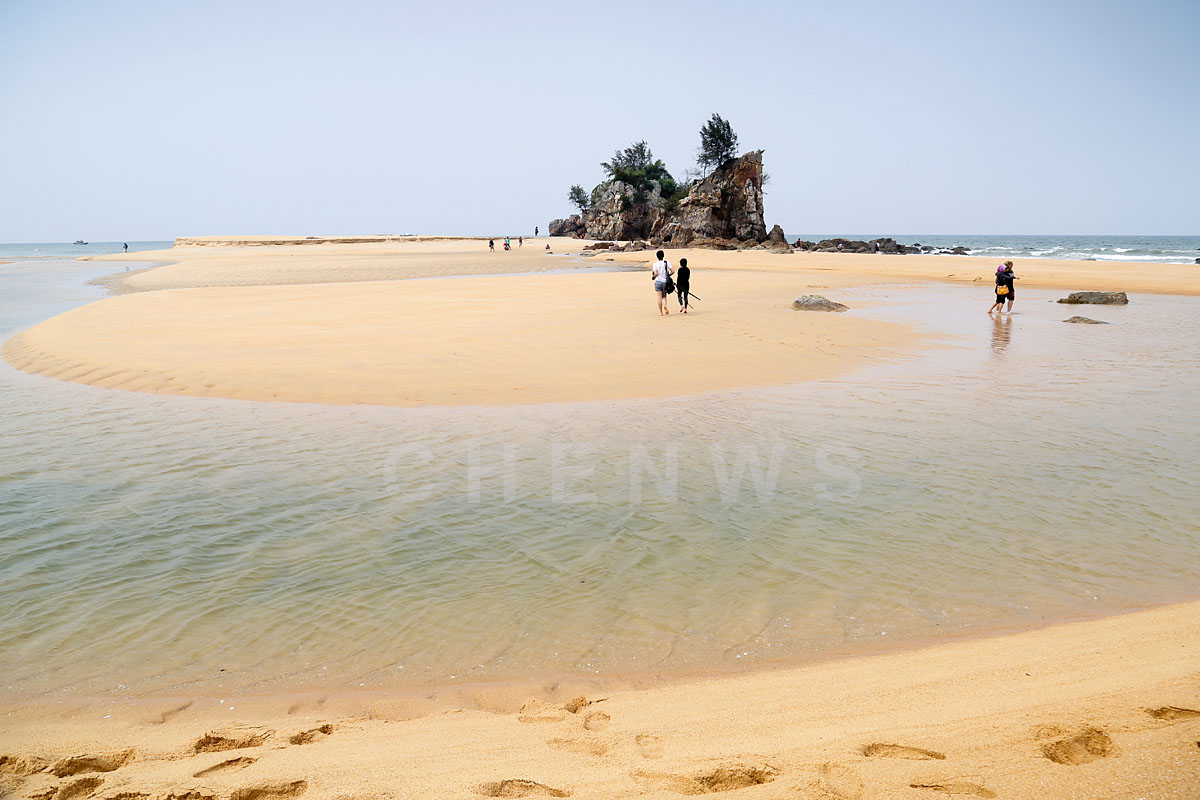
{"type": "Point", "coordinates": [1107, 708]}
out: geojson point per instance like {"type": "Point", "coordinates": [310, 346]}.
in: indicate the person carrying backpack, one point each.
{"type": "Point", "coordinates": [663, 285]}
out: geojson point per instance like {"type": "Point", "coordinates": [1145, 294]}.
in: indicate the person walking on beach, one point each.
{"type": "Point", "coordinates": [683, 277]}
{"type": "Point", "coordinates": [1004, 287]}
{"type": "Point", "coordinates": [126, 246]}
{"type": "Point", "coordinates": [535, 230]}
{"type": "Point", "coordinates": [520, 241]}
{"type": "Point", "coordinates": [492, 245]}
{"type": "Point", "coordinates": [662, 281]}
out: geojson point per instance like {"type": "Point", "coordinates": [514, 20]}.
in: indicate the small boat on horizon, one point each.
{"type": "Point", "coordinates": [79, 241]}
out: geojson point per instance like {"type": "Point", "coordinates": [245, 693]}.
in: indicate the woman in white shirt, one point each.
{"type": "Point", "coordinates": [662, 276]}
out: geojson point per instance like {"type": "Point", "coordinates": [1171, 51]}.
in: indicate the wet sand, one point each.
{"type": "Point", "coordinates": [1109, 708]}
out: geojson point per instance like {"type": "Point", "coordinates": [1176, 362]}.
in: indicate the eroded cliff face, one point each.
{"type": "Point", "coordinates": [727, 205]}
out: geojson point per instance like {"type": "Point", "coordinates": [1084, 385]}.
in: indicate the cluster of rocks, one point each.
{"type": "Point", "coordinates": [722, 211]}
{"type": "Point", "coordinates": [1096, 299]}
{"type": "Point", "coordinates": [884, 245]}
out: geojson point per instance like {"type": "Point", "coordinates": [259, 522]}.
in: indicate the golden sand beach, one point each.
{"type": "Point", "coordinates": [264, 322]}
{"type": "Point", "coordinates": [1107, 708]}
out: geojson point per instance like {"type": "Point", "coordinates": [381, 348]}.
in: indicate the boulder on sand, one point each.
{"type": "Point", "coordinates": [776, 236]}
{"type": "Point", "coordinates": [814, 302]}
{"type": "Point", "coordinates": [1096, 299]}
{"type": "Point", "coordinates": [1086, 321]}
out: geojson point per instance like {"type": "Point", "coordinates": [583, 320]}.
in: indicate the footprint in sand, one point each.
{"type": "Point", "coordinates": [232, 738]}
{"type": "Point", "coordinates": [1173, 713]}
{"type": "Point", "coordinates": [1085, 746]}
{"type": "Point", "coordinates": [270, 791]}
{"type": "Point", "coordinates": [881, 750]}
{"type": "Point", "coordinates": [596, 720]}
{"type": "Point", "coordinates": [650, 745]}
{"type": "Point", "coordinates": [311, 735]}
{"type": "Point", "coordinates": [839, 782]}
{"type": "Point", "coordinates": [20, 765]}
{"type": "Point", "coordinates": [78, 788]}
{"type": "Point", "coordinates": [956, 787]}
{"type": "Point", "coordinates": [721, 779]}
{"type": "Point", "coordinates": [535, 710]}
{"type": "Point", "coordinates": [92, 762]}
{"type": "Point", "coordinates": [226, 766]}
{"type": "Point", "coordinates": [519, 787]}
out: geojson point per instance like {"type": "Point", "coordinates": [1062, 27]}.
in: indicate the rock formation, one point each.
{"type": "Point", "coordinates": [1085, 321]}
{"type": "Point", "coordinates": [815, 302]}
{"type": "Point", "coordinates": [728, 204]}
{"type": "Point", "coordinates": [1096, 298]}
{"type": "Point", "coordinates": [725, 208]}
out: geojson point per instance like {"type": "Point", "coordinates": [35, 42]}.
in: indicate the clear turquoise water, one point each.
{"type": "Point", "coordinates": [1023, 472]}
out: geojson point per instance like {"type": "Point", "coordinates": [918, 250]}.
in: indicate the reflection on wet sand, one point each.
{"type": "Point", "coordinates": [1001, 332]}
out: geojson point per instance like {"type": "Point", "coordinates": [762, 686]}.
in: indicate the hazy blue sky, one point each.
{"type": "Point", "coordinates": [149, 120]}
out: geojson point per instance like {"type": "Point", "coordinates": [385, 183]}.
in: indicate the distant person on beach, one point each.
{"type": "Point", "coordinates": [126, 246]}
{"type": "Point", "coordinates": [683, 277]}
{"type": "Point", "coordinates": [548, 249]}
{"type": "Point", "coordinates": [492, 245]}
{"type": "Point", "coordinates": [535, 230]}
{"type": "Point", "coordinates": [661, 272]}
{"type": "Point", "coordinates": [507, 243]}
{"type": "Point", "coordinates": [1005, 290]}
{"type": "Point", "coordinates": [520, 241]}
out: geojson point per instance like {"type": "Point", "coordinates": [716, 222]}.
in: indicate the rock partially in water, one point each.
{"type": "Point", "coordinates": [814, 302]}
{"type": "Point", "coordinates": [1085, 320]}
{"type": "Point", "coordinates": [1096, 298]}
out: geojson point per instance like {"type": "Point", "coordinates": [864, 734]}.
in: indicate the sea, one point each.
{"type": "Point", "coordinates": [1153, 249]}
{"type": "Point", "coordinates": [1015, 473]}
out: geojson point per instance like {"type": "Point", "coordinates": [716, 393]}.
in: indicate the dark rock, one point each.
{"type": "Point", "coordinates": [803, 245]}
{"type": "Point", "coordinates": [1198, 260]}
{"type": "Point", "coordinates": [779, 247]}
{"type": "Point", "coordinates": [885, 246]}
{"type": "Point", "coordinates": [600, 246]}
{"type": "Point", "coordinates": [814, 302]}
{"type": "Point", "coordinates": [776, 235]}
{"type": "Point", "coordinates": [1096, 298]}
{"type": "Point", "coordinates": [571, 226]}
{"type": "Point", "coordinates": [960, 251]}
{"type": "Point", "coordinates": [1086, 321]}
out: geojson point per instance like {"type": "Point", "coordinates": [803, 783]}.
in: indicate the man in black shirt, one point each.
{"type": "Point", "coordinates": [683, 276]}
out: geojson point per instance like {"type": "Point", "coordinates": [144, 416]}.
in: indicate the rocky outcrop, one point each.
{"type": "Point", "coordinates": [814, 302]}
{"type": "Point", "coordinates": [1096, 298]}
{"type": "Point", "coordinates": [728, 204]}
{"type": "Point", "coordinates": [776, 236]}
{"type": "Point", "coordinates": [725, 207]}
{"type": "Point", "coordinates": [1085, 321]}
{"type": "Point", "coordinates": [571, 226]}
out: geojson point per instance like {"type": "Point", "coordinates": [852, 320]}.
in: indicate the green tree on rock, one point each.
{"type": "Point", "coordinates": [579, 197]}
{"type": "Point", "coordinates": [718, 143]}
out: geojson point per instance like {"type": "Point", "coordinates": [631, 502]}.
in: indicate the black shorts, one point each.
{"type": "Point", "coordinates": [1000, 298]}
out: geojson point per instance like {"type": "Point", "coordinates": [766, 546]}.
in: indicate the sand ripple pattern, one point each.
{"type": "Point", "coordinates": [1032, 469]}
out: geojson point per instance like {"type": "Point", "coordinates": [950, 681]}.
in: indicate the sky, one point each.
{"type": "Point", "coordinates": [151, 120]}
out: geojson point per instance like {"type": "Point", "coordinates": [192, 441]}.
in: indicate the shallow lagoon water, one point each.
{"type": "Point", "coordinates": [1020, 472]}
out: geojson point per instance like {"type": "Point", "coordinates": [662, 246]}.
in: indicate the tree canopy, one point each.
{"type": "Point", "coordinates": [579, 197]}
{"type": "Point", "coordinates": [718, 143]}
